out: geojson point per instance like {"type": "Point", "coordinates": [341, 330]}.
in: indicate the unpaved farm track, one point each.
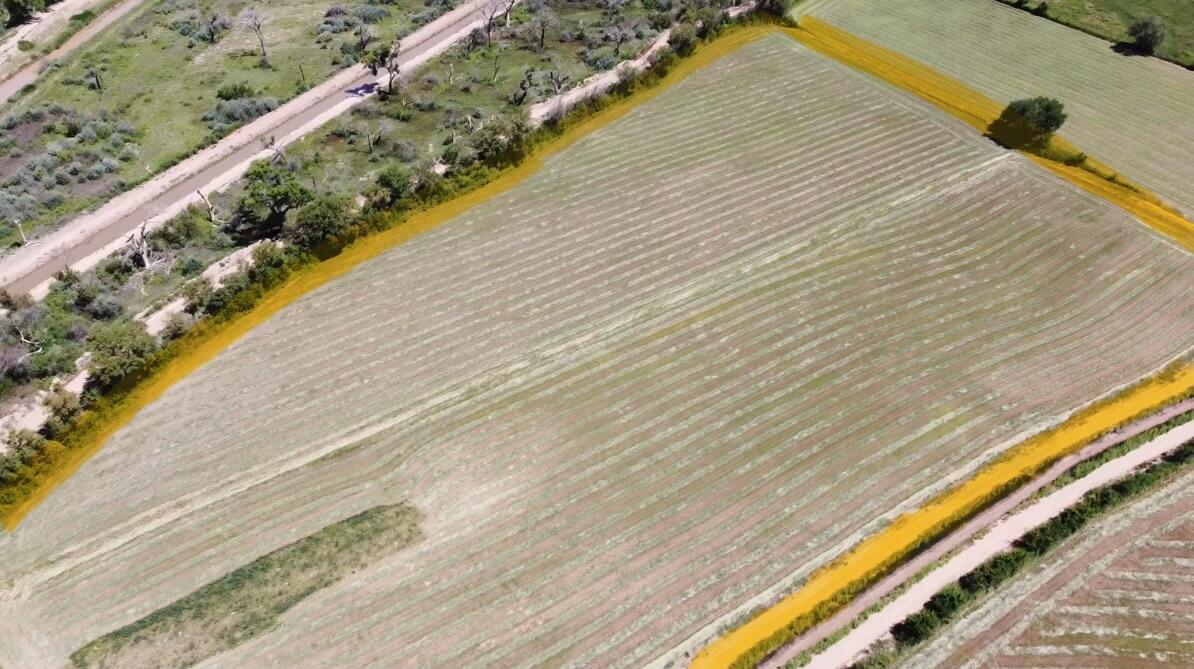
{"type": "Point", "coordinates": [86, 239]}
{"type": "Point", "coordinates": [1118, 595]}
{"type": "Point", "coordinates": [683, 363]}
{"type": "Point", "coordinates": [957, 538]}
{"type": "Point", "coordinates": [28, 74]}
{"type": "Point", "coordinates": [1001, 537]}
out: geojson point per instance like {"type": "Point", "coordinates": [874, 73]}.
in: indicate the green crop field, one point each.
{"type": "Point", "coordinates": [1130, 112]}
{"type": "Point", "coordinates": [1110, 19]}
{"type": "Point", "coordinates": [698, 354]}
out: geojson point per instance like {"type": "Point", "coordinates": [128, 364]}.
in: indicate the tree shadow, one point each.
{"type": "Point", "coordinates": [1129, 49]}
{"type": "Point", "coordinates": [1013, 131]}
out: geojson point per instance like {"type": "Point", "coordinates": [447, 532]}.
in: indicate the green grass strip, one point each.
{"type": "Point", "coordinates": [248, 601]}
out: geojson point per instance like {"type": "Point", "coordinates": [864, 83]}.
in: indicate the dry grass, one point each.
{"type": "Point", "coordinates": [699, 353]}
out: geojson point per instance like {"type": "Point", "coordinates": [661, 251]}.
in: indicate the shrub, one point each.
{"type": "Point", "coordinates": [683, 39]}
{"type": "Point", "coordinates": [371, 14]}
{"type": "Point", "coordinates": [230, 114]}
{"type": "Point", "coordinates": [117, 350]}
{"type": "Point", "coordinates": [949, 601]}
{"type": "Point", "coordinates": [915, 628]}
{"type": "Point", "coordinates": [324, 217]}
{"type": "Point", "coordinates": [104, 307]}
{"type": "Point", "coordinates": [235, 91]}
{"type": "Point", "coordinates": [1148, 34]}
{"type": "Point", "coordinates": [395, 183]}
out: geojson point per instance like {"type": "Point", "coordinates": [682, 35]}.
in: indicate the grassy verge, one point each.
{"type": "Point", "coordinates": [249, 600]}
{"type": "Point", "coordinates": [948, 604]}
{"type": "Point", "coordinates": [270, 286]}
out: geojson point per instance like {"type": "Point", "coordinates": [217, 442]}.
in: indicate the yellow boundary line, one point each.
{"type": "Point", "coordinates": [978, 111]}
{"type": "Point", "coordinates": [837, 582]}
{"type": "Point", "coordinates": [205, 343]}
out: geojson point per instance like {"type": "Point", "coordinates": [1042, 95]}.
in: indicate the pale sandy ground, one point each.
{"type": "Point", "coordinates": [155, 321]}
{"type": "Point", "coordinates": [1001, 536]}
{"type": "Point", "coordinates": [965, 533]}
{"type": "Point", "coordinates": [49, 25]}
{"type": "Point", "coordinates": [85, 240]}
{"type": "Point", "coordinates": [41, 28]}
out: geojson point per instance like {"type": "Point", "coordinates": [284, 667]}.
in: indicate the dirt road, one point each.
{"type": "Point", "coordinates": [87, 239]}
{"type": "Point", "coordinates": [47, 27]}
{"type": "Point", "coordinates": [1000, 537]}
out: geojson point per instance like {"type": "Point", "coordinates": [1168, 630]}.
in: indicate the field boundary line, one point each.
{"type": "Point", "coordinates": [979, 111]}
{"type": "Point", "coordinates": [208, 340]}
{"type": "Point", "coordinates": [980, 523]}
{"type": "Point", "coordinates": [1001, 536]}
{"type": "Point", "coordinates": [832, 586]}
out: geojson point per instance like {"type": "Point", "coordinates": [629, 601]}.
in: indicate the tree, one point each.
{"type": "Point", "coordinates": [395, 183]}
{"type": "Point", "coordinates": [1147, 34]}
{"type": "Point", "coordinates": [501, 139]}
{"type": "Point", "coordinates": [323, 218]}
{"type": "Point", "coordinates": [543, 19]}
{"type": "Point", "coordinates": [18, 11]}
{"type": "Point", "coordinates": [270, 191]}
{"type": "Point", "coordinates": [1028, 123]}
{"type": "Point", "coordinates": [119, 349]}
{"type": "Point", "coordinates": [491, 10]}
{"type": "Point", "coordinates": [386, 57]}
{"type": "Point", "coordinates": [256, 22]}
{"type": "Point", "coordinates": [683, 39]}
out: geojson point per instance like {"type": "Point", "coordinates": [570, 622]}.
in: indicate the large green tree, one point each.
{"type": "Point", "coordinates": [270, 191]}
{"type": "Point", "coordinates": [119, 349]}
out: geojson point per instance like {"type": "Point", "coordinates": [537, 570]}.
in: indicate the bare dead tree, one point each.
{"type": "Point", "coordinates": [21, 230]}
{"type": "Point", "coordinates": [95, 79]}
{"type": "Point", "coordinates": [28, 342]}
{"type": "Point", "coordinates": [256, 22]}
{"type": "Point", "coordinates": [272, 144]}
{"type": "Point", "coordinates": [211, 209]}
{"type": "Point", "coordinates": [491, 10]}
{"type": "Point", "coordinates": [365, 36]}
{"type": "Point", "coordinates": [557, 80]}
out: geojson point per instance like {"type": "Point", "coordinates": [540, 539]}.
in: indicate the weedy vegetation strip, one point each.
{"type": "Point", "coordinates": [248, 601]}
{"type": "Point", "coordinates": [280, 286]}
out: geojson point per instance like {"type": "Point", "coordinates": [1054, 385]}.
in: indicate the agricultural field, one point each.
{"type": "Point", "coordinates": [172, 76]}
{"type": "Point", "coordinates": [1117, 594]}
{"type": "Point", "coordinates": [696, 355]}
{"type": "Point", "coordinates": [1129, 112]}
{"type": "Point", "coordinates": [1111, 19]}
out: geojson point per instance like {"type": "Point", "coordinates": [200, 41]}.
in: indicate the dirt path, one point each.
{"type": "Point", "coordinates": [28, 73]}
{"type": "Point", "coordinates": [1003, 532]}
{"type": "Point", "coordinates": [85, 240]}
{"type": "Point", "coordinates": [38, 30]}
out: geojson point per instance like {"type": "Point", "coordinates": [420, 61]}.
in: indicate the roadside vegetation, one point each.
{"type": "Point", "coordinates": [1161, 28]}
{"type": "Point", "coordinates": [248, 601]}
{"type": "Point", "coordinates": [985, 580]}
{"type": "Point", "coordinates": [453, 128]}
{"type": "Point", "coordinates": [175, 75]}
